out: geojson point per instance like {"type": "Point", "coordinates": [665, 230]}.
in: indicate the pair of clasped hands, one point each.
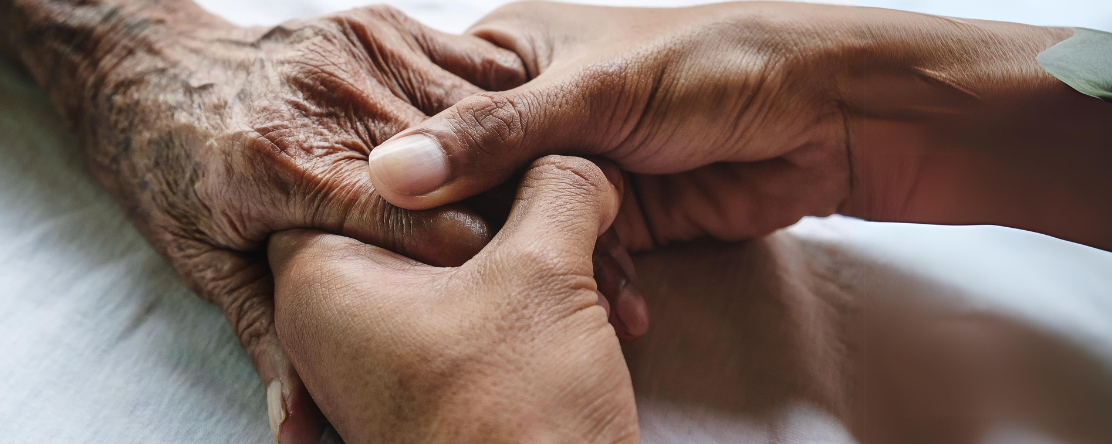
{"type": "Point", "coordinates": [514, 343]}
{"type": "Point", "coordinates": [725, 121]}
{"type": "Point", "coordinates": [483, 191]}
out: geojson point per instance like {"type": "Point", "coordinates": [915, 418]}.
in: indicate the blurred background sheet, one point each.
{"type": "Point", "coordinates": [101, 343]}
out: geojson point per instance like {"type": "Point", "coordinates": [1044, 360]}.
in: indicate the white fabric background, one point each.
{"type": "Point", "coordinates": [100, 342]}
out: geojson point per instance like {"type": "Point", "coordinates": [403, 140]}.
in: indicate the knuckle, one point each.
{"type": "Point", "coordinates": [274, 148]}
{"type": "Point", "coordinates": [492, 117]}
{"type": "Point", "coordinates": [575, 173]}
{"type": "Point", "coordinates": [368, 17]}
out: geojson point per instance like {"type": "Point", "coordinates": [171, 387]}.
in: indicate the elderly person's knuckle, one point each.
{"type": "Point", "coordinates": [271, 147]}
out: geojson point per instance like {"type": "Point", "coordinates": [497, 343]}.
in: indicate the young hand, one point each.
{"type": "Point", "coordinates": [510, 347]}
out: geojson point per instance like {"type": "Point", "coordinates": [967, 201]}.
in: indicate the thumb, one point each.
{"type": "Point", "coordinates": [563, 205]}
{"type": "Point", "coordinates": [482, 140]}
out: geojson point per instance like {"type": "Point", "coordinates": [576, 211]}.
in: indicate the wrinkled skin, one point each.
{"type": "Point", "coordinates": [510, 347]}
{"type": "Point", "coordinates": [191, 122]}
{"type": "Point", "coordinates": [213, 136]}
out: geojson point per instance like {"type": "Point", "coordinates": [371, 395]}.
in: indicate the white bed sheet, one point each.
{"type": "Point", "coordinates": [101, 343]}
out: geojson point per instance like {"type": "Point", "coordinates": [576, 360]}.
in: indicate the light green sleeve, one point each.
{"type": "Point", "coordinates": [1083, 62]}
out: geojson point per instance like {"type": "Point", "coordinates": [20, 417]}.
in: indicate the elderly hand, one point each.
{"type": "Point", "coordinates": [740, 118]}
{"type": "Point", "coordinates": [213, 136]}
{"type": "Point", "coordinates": [509, 347]}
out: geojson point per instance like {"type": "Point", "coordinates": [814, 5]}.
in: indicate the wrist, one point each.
{"type": "Point", "coordinates": [934, 105]}
{"type": "Point", "coordinates": [73, 48]}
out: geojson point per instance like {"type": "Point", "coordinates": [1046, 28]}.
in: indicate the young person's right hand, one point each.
{"type": "Point", "coordinates": [709, 92]}
{"type": "Point", "coordinates": [737, 119]}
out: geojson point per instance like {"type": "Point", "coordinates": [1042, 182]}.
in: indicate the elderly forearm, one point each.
{"type": "Point", "coordinates": [70, 46]}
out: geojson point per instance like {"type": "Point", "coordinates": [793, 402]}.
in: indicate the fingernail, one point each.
{"type": "Point", "coordinates": [274, 407]}
{"type": "Point", "coordinates": [410, 165]}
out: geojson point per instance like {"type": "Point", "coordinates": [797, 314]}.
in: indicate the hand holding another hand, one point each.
{"type": "Point", "coordinates": [731, 120]}
{"type": "Point", "coordinates": [737, 119]}
{"type": "Point", "coordinates": [212, 136]}
{"type": "Point", "coordinates": [724, 114]}
{"type": "Point", "coordinates": [511, 346]}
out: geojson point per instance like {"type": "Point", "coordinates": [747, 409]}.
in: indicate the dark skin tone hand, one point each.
{"type": "Point", "coordinates": [734, 120]}
{"type": "Point", "coordinates": [213, 136]}
{"type": "Point", "coordinates": [510, 347]}
{"type": "Point", "coordinates": [737, 119]}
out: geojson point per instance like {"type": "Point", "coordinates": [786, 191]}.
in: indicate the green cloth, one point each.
{"type": "Point", "coordinates": [1083, 62]}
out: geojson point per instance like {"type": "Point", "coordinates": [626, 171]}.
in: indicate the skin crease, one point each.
{"type": "Point", "coordinates": [734, 120]}
{"type": "Point", "coordinates": [864, 112]}
{"type": "Point", "coordinates": [737, 119]}
{"type": "Point", "coordinates": [510, 347]}
{"type": "Point", "coordinates": [213, 136]}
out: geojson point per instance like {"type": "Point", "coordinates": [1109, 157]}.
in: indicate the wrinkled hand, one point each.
{"type": "Point", "coordinates": [509, 347]}
{"type": "Point", "coordinates": [213, 137]}
{"type": "Point", "coordinates": [731, 134]}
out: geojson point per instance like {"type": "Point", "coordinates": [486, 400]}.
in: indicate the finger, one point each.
{"type": "Point", "coordinates": [613, 268]}
{"type": "Point", "coordinates": [331, 191]}
{"type": "Point", "coordinates": [431, 69]}
{"type": "Point", "coordinates": [482, 140]}
{"type": "Point", "coordinates": [475, 60]}
{"type": "Point", "coordinates": [536, 32]}
{"type": "Point", "coordinates": [617, 282]}
{"type": "Point", "coordinates": [430, 87]}
{"type": "Point", "coordinates": [344, 202]}
{"type": "Point", "coordinates": [294, 417]}
{"type": "Point", "coordinates": [614, 271]}
{"type": "Point", "coordinates": [563, 203]}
